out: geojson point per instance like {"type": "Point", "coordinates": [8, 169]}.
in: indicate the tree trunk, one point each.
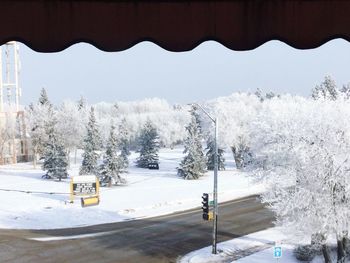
{"type": "Point", "coordinates": [238, 157]}
{"type": "Point", "coordinates": [345, 243]}
{"type": "Point", "coordinates": [34, 159]}
{"type": "Point", "coordinates": [341, 254]}
{"type": "Point", "coordinates": [326, 254]}
{"type": "Point", "coordinates": [68, 158]}
{"type": "Point", "coordinates": [75, 156]}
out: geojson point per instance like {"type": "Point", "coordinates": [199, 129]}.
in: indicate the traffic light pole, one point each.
{"type": "Point", "coordinates": [215, 192]}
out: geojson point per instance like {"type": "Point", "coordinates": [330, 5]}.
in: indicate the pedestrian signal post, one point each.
{"type": "Point", "coordinates": [87, 187]}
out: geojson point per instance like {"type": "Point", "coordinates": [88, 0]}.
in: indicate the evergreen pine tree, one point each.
{"type": "Point", "coordinates": [346, 91]}
{"type": "Point", "coordinates": [259, 94]}
{"type": "Point", "coordinates": [43, 99]}
{"type": "Point", "coordinates": [124, 143]}
{"type": "Point", "coordinates": [91, 144]}
{"type": "Point", "coordinates": [112, 165]}
{"type": "Point", "coordinates": [211, 153]}
{"type": "Point", "coordinates": [197, 117]}
{"type": "Point", "coordinates": [81, 103]}
{"type": "Point", "coordinates": [116, 108]}
{"type": "Point", "coordinates": [193, 165]}
{"type": "Point", "coordinates": [55, 157]}
{"type": "Point", "coordinates": [149, 146]}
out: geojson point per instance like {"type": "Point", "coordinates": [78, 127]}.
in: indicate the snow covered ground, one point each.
{"type": "Point", "coordinates": [256, 247]}
{"type": "Point", "coordinates": [148, 193]}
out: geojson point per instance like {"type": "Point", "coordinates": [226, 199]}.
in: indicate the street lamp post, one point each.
{"type": "Point", "coordinates": [215, 192]}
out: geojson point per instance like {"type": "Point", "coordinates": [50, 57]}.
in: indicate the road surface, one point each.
{"type": "Point", "coordinates": [158, 239]}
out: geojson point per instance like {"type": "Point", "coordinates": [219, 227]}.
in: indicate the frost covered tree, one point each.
{"type": "Point", "coordinates": [81, 103]}
{"type": "Point", "coordinates": [70, 126]}
{"type": "Point", "coordinates": [210, 154]}
{"type": "Point", "coordinates": [37, 117]}
{"type": "Point", "coordinates": [54, 154]}
{"type": "Point", "coordinates": [194, 113]}
{"type": "Point", "coordinates": [149, 145]}
{"type": "Point", "coordinates": [91, 144]}
{"type": "Point", "coordinates": [193, 165]}
{"type": "Point", "coordinates": [44, 99]}
{"type": "Point", "coordinates": [345, 91]}
{"type": "Point", "coordinates": [124, 143]}
{"type": "Point", "coordinates": [168, 121]}
{"type": "Point", "coordinates": [326, 90]}
{"type": "Point", "coordinates": [112, 165]}
{"type": "Point", "coordinates": [236, 112]}
{"type": "Point", "coordinates": [241, 152]}
{"type": "Point", "coordinates": [303, 156]}
{"type": "Point", "coordinates": [259, 94]}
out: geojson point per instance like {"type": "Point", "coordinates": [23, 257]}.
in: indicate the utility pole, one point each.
{"type": "Point", "coordinates": [215, 227]}
{"type": "Point", "coordinates": [215, 190]}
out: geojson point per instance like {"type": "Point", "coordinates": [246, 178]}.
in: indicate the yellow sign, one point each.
{"type": "Point", "coordinates": [86, 186]}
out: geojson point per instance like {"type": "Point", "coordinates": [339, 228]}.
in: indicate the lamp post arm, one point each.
{"type": "Point", "coordinates": [206, 113]}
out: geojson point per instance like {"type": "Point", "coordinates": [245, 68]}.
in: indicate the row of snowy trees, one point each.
{"type": "Point", "coordinates": [71, 126]}
{"type": "Point", "coordinates": [55, 132]}
{"type": "Point", "coordinates": [113, 164]}
{"type": "Point", "coordinates": [168, 120]}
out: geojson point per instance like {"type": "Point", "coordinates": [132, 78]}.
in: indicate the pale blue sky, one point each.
{"type": "Point", "coordinates": [209, 71]}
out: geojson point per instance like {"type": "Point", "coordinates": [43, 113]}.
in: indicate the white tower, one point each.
{"type": "Point", "coordinates": [9, 75]}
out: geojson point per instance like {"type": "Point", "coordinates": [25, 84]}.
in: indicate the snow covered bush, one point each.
{"type": "Point", "coordinates": [304, 252]}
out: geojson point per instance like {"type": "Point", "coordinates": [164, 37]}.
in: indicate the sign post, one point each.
{"type": "Point", "coordinates": [86, 186]}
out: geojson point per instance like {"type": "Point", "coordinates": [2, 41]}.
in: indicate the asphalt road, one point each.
{"type": "Point", "coordinates": [159, 239]}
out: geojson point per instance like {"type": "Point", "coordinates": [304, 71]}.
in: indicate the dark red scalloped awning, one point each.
{"type": "Point", "coordinates": [50, 26]}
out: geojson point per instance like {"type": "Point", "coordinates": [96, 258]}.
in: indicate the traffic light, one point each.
{"type": "Point", "coordinates": [205, 206]}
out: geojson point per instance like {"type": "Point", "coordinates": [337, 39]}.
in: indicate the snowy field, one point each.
{"type": "Point", "coordinates": [148, 193]}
